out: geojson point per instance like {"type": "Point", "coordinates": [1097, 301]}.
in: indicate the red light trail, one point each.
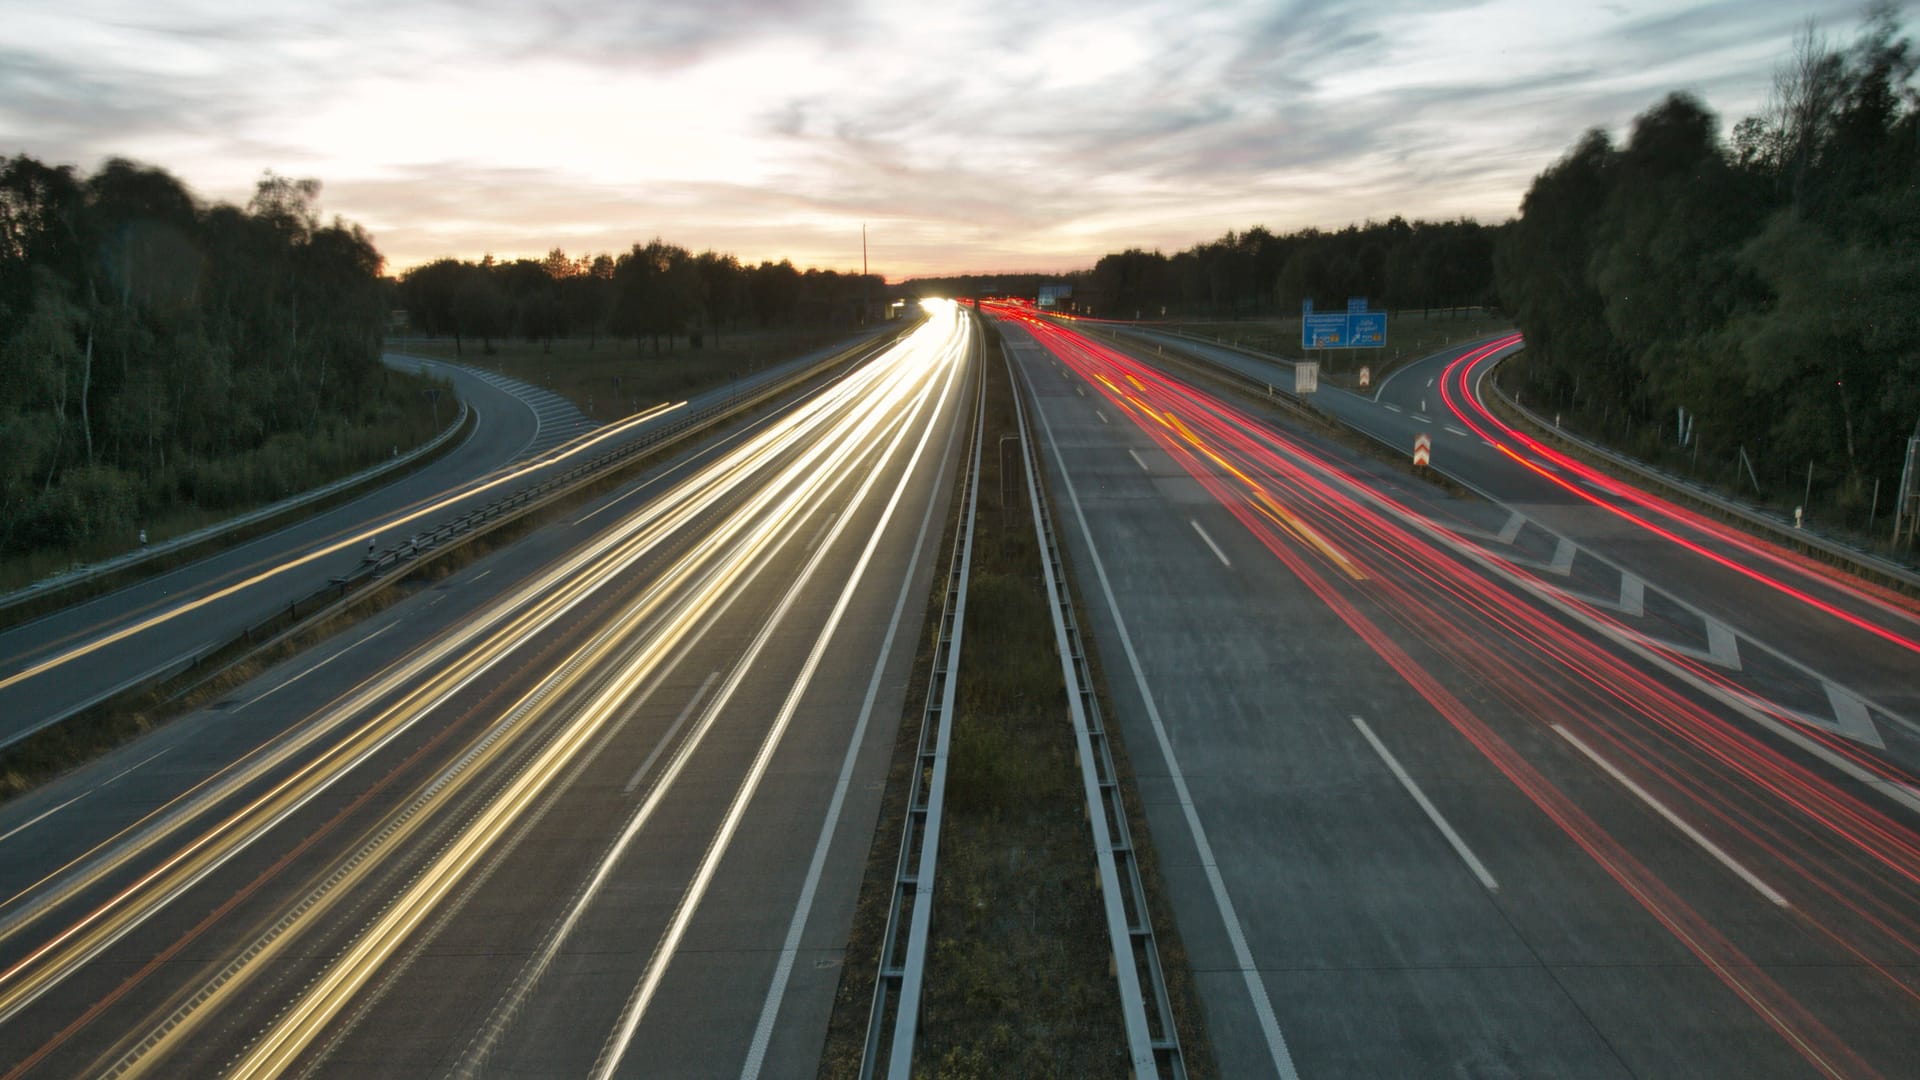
{"type": "Point", "coordinates": [1847, 872]}
{"type": "Point", "coordinates": [1459, 397]}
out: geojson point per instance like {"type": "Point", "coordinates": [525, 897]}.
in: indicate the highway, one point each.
{"type": "Point", "coordinates": [1437, 792]}
{"type": "Point", "coordinates": [64, 662]}
{"type": "Point", "coordinates": [1823, 648]}
{"type": "Point", "coordinates": [597, 805]}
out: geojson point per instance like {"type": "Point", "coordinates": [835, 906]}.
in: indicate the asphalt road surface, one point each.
{"type": "Point", "coordinates": [59, 664]}
{"type": "Point", "coordinates": [597, 805]}
{"type": "Point", "coordinates": [1434, 793]}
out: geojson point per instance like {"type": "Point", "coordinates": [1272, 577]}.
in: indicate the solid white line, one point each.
{"type": "Point", "coordinates": [790, 949]}
{"type": "Point", "coordinates": [480, 575]}
{"type": "Point", "coordinates": [621, 1038]}
{"type": "Point", "coordinates": [667, 739]}
{"type": "Point", "coordinates": [276, 689]}
{"type": "Point", "coordinates": [1137, 461]}
{"type": "Point", "coordinates": [1433, 814]}
{"type": "Point", "coordinates": [1221, 555]}
{"type": "Point", "coordinates": [1101, 415]}
{"type": "Point", "coordinates": [45, 814]}
{"type": "Point", "coordinates": [1229, 918]}
{"type": "Point", "coordinates": [1673, 819]}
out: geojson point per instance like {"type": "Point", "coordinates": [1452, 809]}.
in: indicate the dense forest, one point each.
{"type": "Point", "coordinates": [157, 352]}
{"type": "Point", "coordinates": [1395, 264]}
{"type": "Point", "coordinates": [1765, 287]}
{"type": "Point", "coordinates": [650, 294]}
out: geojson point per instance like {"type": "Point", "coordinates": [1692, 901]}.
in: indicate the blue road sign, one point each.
{"type": "Point", "coordinates": [1355, 328]}
{"type": "Point", "coordinates": [1323, 331]}
{"type": "Point", "coordinates": [1367, 330]}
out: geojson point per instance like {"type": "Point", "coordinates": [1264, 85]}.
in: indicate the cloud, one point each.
{"type": "Point", "coordinates": [969, 135]}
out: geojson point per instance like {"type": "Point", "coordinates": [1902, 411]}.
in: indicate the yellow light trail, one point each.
{"type": "Point", "coordinates": [191, 606]}
{"type": "Point", "coordinates": [830, 451]}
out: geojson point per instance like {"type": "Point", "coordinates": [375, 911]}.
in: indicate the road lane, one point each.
{"type": "Point", "coordinates": [1383, 953]}
{"type": "Point", "coordinates": [1838, 656]}
{"type": "Point", "coordinates": [543, 784]}
{"type": "Point", "coordinates": [61, 663]}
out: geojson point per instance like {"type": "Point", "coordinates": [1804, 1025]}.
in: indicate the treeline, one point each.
{"type": "Point", "coordinates": [1394, 264]}
{"type": "Point", "coordinates": [1769, 286]}
{"type": "Point", "coordinates": [959, 285]}
{"type": "Point", "coordinates": [158, 352]}
{"type": "Point", "coordinates": [652, 293]}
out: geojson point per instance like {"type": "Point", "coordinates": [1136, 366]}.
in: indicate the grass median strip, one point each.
{"type": "Point", "coordinates": [1019, 974]}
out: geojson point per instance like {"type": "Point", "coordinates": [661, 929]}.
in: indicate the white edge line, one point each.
{"type": "Point", "coordinates": [1433, 813]}
{"type": "Point", "coordinates": [1673, 819]}
{"type": "Point", "coordinates": [1230, 919]}
{"type": "Point", "coordinates": [1217, 553]}
{"type": "Point", "coordinates": [803, 909]}
{"type": "Point", "coordinates": [615, 1047]}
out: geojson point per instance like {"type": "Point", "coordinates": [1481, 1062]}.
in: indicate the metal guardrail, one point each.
{"type": "Point", "coordinates": [50, 585]}
{"type": "Point", "coordinates": [1153, 1042]}
{"type": "Point", "coordinates": [400, 560]}
{"type": "Point", "coordinates": [893, 1021]}
{"type": "Point", "coordinates": [1861, 562]}
{"type": "Point", "coordinates": [528, 499]}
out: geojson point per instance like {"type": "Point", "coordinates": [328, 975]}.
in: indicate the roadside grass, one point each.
{"type": "Point", "coordinates": [609, 378]}
{"type": "Point", "coordinates": [1019, 975]}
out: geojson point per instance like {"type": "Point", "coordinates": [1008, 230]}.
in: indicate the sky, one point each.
{"type": "Point", "coordinates": [972, 135]}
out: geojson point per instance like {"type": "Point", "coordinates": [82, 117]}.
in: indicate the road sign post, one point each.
{"type": "Point", "coordinates": [1906, 504]}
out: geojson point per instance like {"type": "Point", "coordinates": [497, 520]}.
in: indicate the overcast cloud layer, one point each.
{"type": "Point", "coordinates": [970, 136]}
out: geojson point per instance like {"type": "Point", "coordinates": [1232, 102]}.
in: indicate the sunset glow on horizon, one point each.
{"type": "Point", "coordinates": [976, 137]}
